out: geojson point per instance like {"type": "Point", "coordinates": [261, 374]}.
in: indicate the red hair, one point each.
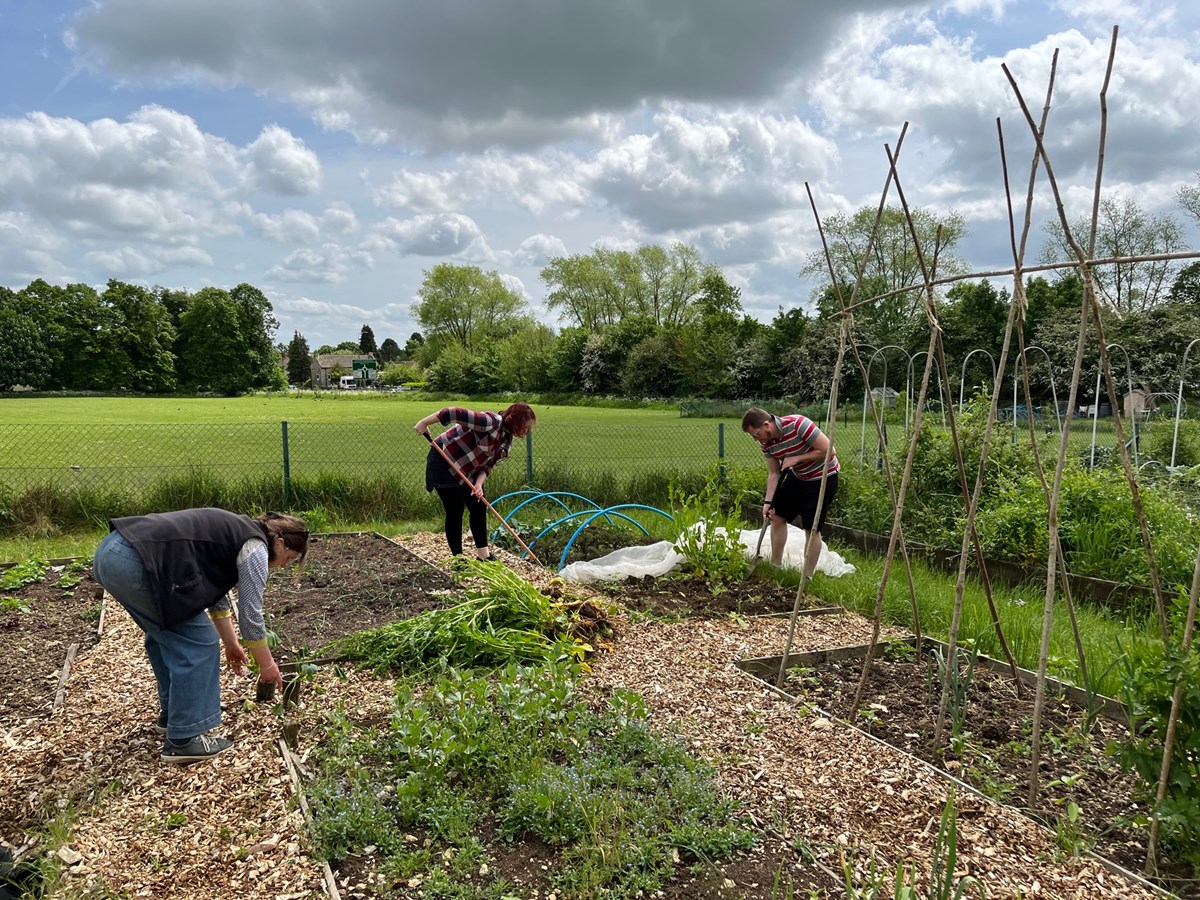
{"type": "Point", "coordinates": [518, 416]}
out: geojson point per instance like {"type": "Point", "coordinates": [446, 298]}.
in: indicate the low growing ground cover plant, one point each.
{"type": "Point", "coordinates": [468, 765]}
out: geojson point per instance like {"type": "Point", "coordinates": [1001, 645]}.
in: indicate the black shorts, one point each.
{"type": "Point", "coordinates": [794, 497]}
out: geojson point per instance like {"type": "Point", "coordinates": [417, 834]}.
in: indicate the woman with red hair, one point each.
{"type": "Point", "coordinates": [476, 441]}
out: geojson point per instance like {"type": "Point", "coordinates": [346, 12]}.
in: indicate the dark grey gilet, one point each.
{"type": "Point", "coordinates": [190, 556]}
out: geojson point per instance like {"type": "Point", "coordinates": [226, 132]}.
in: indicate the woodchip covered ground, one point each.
{"type": "Point", "coordinates": [233, 827]}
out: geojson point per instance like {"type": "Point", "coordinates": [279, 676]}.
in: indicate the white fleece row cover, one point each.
{"type": "Point", "coordinates": [661, 558]}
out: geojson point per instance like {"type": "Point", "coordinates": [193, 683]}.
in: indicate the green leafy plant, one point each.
{"type": "Point", "coordinates": [709, 539]}
{"type": "Point", "coordinates": [73, 573]}
{"type": "Point", "coordinates": [1149, 687]}
{"type": "Point", "coordinates": [23, 573]}
{"type": "Point", "coordinates": [518, 747]}
{"type": "Point", "coordinates": [14, 604]}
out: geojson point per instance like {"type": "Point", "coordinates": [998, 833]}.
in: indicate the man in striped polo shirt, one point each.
{"type": "Point", "coordinates": [797, 453]}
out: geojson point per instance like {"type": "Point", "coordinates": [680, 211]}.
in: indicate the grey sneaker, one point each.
{"type": "Point", "coordinates": [160, 725]}
{"type": "Point", "coordinates": [198, 749]}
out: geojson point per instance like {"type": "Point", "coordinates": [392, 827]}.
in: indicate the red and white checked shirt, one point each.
{"type": "Point", "coordinates": [476, 441]}
{"type": "Point", "coordinates": [797, 434]}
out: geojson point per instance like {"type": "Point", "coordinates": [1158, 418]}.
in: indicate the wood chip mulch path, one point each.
{"type": "Point", "coordinates": [232, 827]}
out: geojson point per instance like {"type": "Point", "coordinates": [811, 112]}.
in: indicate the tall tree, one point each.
{"type": "Point", "coordinates": [1186, 288]}
{"type": "Point", "coordinates": [603, 287]}
{"type": "Point", "coordinates": [973, 317]}
{"type": "Point", "coordinates": [214, 353]}
{"type": "Point", "coordinates": [83, 330]}
{"type": "Point", "coordinates": [524, 358]}
{"type": "Point", "coordinates": [140, 340]}
{"type": "Point", "coordinates": [366, 341]}
{"type": "Point", "coordinates": [257, 326]}
{"type": "Point", "coordinates": [707, 347]}
{"type": "Point", "coordinates": [1189, 198]}
{"type": "Point", "coordinates": [674, 279]}
{"type": "Point", "coordinates": [24, 357]}
{"type": "Point", "coordinates": [1123, 229]}
{"type": "Point", "coordinates": [467, 307]}
{"type": "Point", "coordinates": [299, 368]}
{"type": "Point", "coordinates": [584, 289]}
{"type": "Point", "coordinates": [389, 351]}
{"type": "Point", "coordinates": [888, 263]}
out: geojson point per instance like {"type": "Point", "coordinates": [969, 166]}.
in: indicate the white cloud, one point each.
{"type": "Point", "coordinates": [279, 163]}
{"type": "Point", "coordinates": [28, 251]}
{"type": "Point", "coordinates": [327, 264]}
{"type": "Point", "coordinates": [339, 218]}
{"type": "Point", "coordinates": [128, 262]}
{"type": "Point", "coordinates": [725, 166]}
{"type": "Point", "coordinates": [156, 176]}
{"type": "Point", "coordinates": [293, 226]}
{"type": "Point", "coordinates": [451, 235]}
{"type": "Point", "coordinates": [537, 250]}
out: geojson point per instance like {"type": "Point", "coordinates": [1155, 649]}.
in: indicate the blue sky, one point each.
{"type": "Point", "coordinates": [328, 152]}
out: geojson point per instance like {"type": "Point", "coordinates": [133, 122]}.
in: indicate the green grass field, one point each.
{"type": "Point", "coordinates": [119, 443]}
{"type": "Point", "coordinates": [66, 463]}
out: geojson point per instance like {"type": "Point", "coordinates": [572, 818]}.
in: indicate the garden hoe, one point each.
{"type": "Point", "coordinates": [479, 495]}
{"type": "Point", "coordinates": [771, 503]}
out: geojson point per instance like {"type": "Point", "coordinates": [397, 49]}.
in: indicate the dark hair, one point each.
{"type": "Point", "coordinates": [754, 418]}
{"type": "Point", "coordinates": [518, 416]}
{"type": "Point", "coordinates": [293, 531]}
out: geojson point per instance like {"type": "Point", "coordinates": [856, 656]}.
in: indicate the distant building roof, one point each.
{"type": "Point", "coordinates": [330, 360]}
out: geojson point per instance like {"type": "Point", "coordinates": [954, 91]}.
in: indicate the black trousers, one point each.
{"type": "Point", "coordinates": [455, 499]}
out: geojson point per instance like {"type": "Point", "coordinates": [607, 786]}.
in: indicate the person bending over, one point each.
{"type": "Point", "coordinates": [173, 573]}
{"type": "Point", "coordinates": [795, 451]}
{"type": "Point", "coordinates": [475, 441]}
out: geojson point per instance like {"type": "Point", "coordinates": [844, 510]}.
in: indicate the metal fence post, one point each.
{"type": "Point", "coordinates": [721, 454]}
{"type": "Point", "coordinates": [529, 458]}
{"type": "Point", "coordinates": [287, 469]}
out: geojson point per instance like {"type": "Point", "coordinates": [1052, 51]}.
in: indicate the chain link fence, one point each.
{"type": "Point", "coordinates": [82, 474]}
{"type": "Point", "coordinates": [78, 475]}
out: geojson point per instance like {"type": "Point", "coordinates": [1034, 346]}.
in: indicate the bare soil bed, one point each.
{"type": "Point", "coordinates": [350, 583]}
{"type": "Point", "coordinates": [39, 622]}
{"type": "Point", "coordinates": [992, 752]}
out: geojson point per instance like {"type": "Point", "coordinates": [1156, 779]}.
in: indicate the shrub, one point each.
{"type": "Point", "coordinates": [1155, 440]}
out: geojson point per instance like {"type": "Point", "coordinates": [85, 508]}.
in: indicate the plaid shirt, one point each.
{"type": "Point", "coordinates": [476, 441]}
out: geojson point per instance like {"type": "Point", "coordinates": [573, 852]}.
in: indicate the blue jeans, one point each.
{"type": "Point", "coordinates": [186, 658]}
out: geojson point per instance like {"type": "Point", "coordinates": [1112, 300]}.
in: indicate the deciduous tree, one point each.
{"type": "Point", "coordinates": [389, 351]}
{"type": "Point", "coordinates": [467, 307]}
{"type": "Point", "coordinates": [258, 325]}
{"type": "Point", "coordinates": [1124, 229]}
{"type": "Point", "coordinates": [138, 346]}
{"type": "Point", "coordinates": [887, 263]}
{"type": "Point", "coordinates": [24, 358]}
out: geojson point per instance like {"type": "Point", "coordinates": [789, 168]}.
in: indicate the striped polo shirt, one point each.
{"type": "Point", "coordinates": [797, 434]}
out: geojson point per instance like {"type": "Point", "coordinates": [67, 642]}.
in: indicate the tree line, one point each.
{"type": "Point", "coordinates": [128, 337]}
